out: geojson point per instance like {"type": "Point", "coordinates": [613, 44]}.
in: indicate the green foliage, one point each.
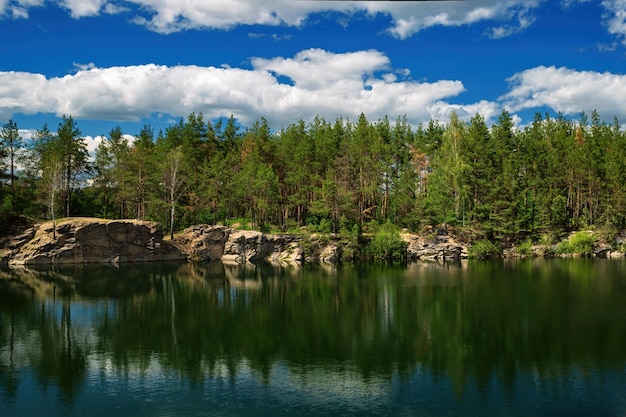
{"type": "Point", "coordinates": [558, 212]}
{"type": "Point", "coordinates": [240, 223]}
{"type": "Point", "coordinates": [550, 177]}
{"type": "Point", "coordinates": [386, 244]}
{"type": "Point", "coordinates": [525, 248]}
{"type": "Point", "coordinates": [483, 249]}
{"type": "Point", "coordinates": [563, 247]}
{"type": "Point", "coordinates": [583, 242]}
{"type": "Point", "coordinates": [580, 243]}
{"type": "Point", "coordinates": [548, 239]}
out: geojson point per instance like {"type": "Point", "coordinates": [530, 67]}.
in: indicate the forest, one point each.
{"type": "Point", "coordinates": [499, 183]}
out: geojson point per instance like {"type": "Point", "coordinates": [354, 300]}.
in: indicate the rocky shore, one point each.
{"type": "Point", "coordinates": [91, 240]}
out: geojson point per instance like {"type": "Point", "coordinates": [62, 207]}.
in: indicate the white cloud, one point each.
{"type": "Point", "coordinates": [408, 18]}
{"type": "Point", "coordinates": [92, 143]}
{"type": "Point", "coordinates": [167, 16]}
{"type": "Point", "coordinates": [83, 8]}
{"type": "Point", "coordinates": [523, 19]}
{"type": "Point", "coordinates": [412, 17]}
{"type": "Point", "coordinates": [615, 17]}
{"type": "Point", "coordinates": [316, 68]}
{"type": "Point", "coordinates": [490, 110]}
{"type": "Point", "coordinates": [111, 8]}
{"type": "Point", "coordinates": [83, 67]}
{"type": "Point", "coordinates": [325, 84]}
{"type": "Point", "coordinates": [26, 134]}
{"type": "Point", "coordinates": [17, 9]}
{"type": "Point", "coordinates": [568, 91]}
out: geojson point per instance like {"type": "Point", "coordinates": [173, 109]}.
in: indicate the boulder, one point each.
{"type": "Point", "coordinates": [330, 254]}
{"type": "Point", "coordinates": [95, 241]}
{"type": "Point", "coordinates": [205, 243]}
{"type": "Point", "coordinates": [439, 248]}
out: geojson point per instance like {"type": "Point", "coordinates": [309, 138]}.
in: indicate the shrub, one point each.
{"type": "Point", "coordinates": [580, 243]}
{"type": "Point", "coordinates": [525, 248]}
{"type": "Point", "coordinates": [483, 249]}
{"type": "Point", "coordinates": [387, 244]}
{"type": "Point", "coordinates": [325, 226]}
{"type": "Point", "coordinates": [563, 247]}
{"type": "Point", "coordinates": [547, 239]}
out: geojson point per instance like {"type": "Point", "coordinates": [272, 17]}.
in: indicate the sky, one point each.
{"type": "Point", "coordinates": [131, 63]}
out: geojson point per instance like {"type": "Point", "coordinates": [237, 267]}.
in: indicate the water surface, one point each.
{"type": "Point", "coordinates": [525, 338]}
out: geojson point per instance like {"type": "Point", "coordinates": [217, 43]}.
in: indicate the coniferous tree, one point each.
{"type": "Point", "coordinates": [143, 163]}
{"type": "Point", "coordinates": [10, 145]}
{"type": "Point", "coordinates": [448, 183]}
{"type": "Point", "coordinates": [553, 176]}
{"type": "Point", "coordinates": [74, 159]}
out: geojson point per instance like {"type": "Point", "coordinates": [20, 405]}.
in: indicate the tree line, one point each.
{"type": "Point", "coordinates": [501, 182]}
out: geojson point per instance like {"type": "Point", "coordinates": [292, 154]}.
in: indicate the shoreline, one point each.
{"type": "Point", "coordinates": [93, 240]}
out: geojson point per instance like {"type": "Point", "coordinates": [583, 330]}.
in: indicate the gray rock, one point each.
{"type": "Point", "coordinates": [95, 241]}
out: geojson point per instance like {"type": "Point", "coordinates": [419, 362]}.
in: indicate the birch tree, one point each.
{"type": "Point", "coordinates": [173, 181]}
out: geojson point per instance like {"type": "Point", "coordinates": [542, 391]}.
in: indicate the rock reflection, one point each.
{"type": "Point", "coordinates": [343, 330]}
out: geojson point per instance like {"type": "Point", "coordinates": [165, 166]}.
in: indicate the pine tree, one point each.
{"type": "Point", "coordinates": [10, 145]}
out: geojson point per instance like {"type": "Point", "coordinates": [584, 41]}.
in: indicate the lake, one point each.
{"type": "Point", "coordinates": [477, 338]}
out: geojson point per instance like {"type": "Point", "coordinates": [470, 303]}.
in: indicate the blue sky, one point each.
{"type": "Point", "coordinates": [137, 62]}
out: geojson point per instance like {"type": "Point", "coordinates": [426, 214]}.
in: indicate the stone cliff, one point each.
{"type": "Point", "coordinates": [90, 240]}
{"type": "Point", "coordinates": [205, 243]}
{"type": "Point", "coordinates": [81, 240]}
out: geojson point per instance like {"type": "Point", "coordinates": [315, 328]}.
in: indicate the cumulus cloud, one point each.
{"type": "Point", "coordinates": [17, 9]}
{"type": "Point", "coordinates": [321, 83]}
{"type": "Point", "coordinates": [566, 90]}
{"type": "Point", "coordinates": [520, 14]}
{"type": "Point", "coordinates": [83, 8]}
{"type": "Point", "coordinates": [412, 17]}
{"type": "Point", "coordinates": [167, 16]}
{"type": "Point", "coordinates": [92, 143]}
{"type": "Point", "coordinates": [84, 67]}
{"type": "Point", "coordinates": [442, 110]}
{"type": "Point", "coordinates": [508, 17]}
{"type": "Point", "coordinates": [408, 18]}
{"type": "Point", "coordinates": [614, 17]}
{"type": "Point", "coordinates": [316, 68]}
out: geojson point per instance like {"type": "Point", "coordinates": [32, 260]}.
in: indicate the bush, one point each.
{"type": "Point", "coordinates": [325, 226]}
{"type": "Point", "coordinates": [580, 243]}
{"type": "Point", "coordinates": [563, 247]}
{"type": "Point", "coordinates": [483, 249]}
{"type": "Point", "coordinates": [525, 248]}
{"type": "Point", "coordinates": [548, 239]}
{"type": "Point", "coordinates": [387, 244]}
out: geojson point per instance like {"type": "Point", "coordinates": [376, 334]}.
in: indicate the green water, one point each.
{"type": "Point", "coordinates": [526, 338]}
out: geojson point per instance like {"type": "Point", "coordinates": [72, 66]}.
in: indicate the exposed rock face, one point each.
{"type": "Point", "coordinates": [324, 250]}
{"type": "Point", "coordinates": [204, 243]}
{"type": "Point", "coordinates": [119, 241]}
{"type": "Point", "coordinates": [441, 247]}
{"type": "Point", "coordinates": [94, 241]}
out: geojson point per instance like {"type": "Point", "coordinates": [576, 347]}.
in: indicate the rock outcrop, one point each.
{"type": "Point", "coordinates": [91, 241]}
{"type": "Point", "coordinates": [441, 246]}
{"type": "Point", "coordinates": [205, 243]}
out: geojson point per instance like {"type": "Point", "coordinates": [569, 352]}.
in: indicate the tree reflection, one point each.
{"type": "Point", "coordinates": [62, 358]}
{"type": "Point", "coordinates": [488, 320]}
